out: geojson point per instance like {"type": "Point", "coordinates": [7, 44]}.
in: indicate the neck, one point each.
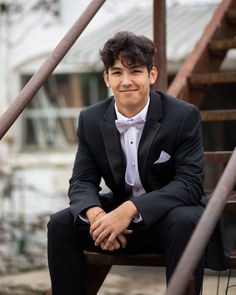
{"type": "Point", "coordinates": [131, 111]}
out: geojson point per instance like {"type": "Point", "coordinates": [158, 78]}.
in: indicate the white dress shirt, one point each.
{"type": "Point", "coordinates": [129, 143]}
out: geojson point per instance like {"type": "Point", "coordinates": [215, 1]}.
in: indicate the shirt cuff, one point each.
{"type": "Point", "coordinates": [84, 218]}
{"type": "Point", "coordinates": [138, 218]}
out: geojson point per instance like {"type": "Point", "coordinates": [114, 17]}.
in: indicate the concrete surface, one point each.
{"type": "Point", "coordinates": [120, 281]}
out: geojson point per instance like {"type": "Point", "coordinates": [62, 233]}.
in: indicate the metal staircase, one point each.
{"type": "Point", "coordinates": [203, 81]}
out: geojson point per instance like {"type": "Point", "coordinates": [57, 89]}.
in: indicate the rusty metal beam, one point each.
{"type": "Point", "coordinates": [31, 88]}
{"type": "Point", "coordinates": [159, 31]}
{"type": "Point", "coordinates": [203, 231]}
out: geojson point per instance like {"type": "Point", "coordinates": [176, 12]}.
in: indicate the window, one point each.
{"type": "Point", "coordinates": [52, 116]}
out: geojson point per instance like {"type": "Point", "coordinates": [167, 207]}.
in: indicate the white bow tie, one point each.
{"type": "Point", "coordinates": [122, 125]}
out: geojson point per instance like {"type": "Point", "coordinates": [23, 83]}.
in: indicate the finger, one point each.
{"type": "Point", "coordinates": [116, 244]}
{"type": "Point", "coordinates": [122, 240]}
{"type": "Point", "coordinates": [100, 238]}
{"type": "Point", "coordinates": [111, 238]}
{"type": "Point", "coordinates": [108, 247]}
{"type": "Point", "coordinates": [94, 226]}
{"type": "Point", "coordinates": [112, 246]}
{"type": "Point", "coordinates": [97, 232]}
{"type": "Point", "coordinates": [127, 232]}
{"type": "Point", "coordinates": [102, 245]}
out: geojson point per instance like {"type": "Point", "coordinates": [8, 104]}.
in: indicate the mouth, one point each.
{"type": "Point", "coordinates": [128, 90]}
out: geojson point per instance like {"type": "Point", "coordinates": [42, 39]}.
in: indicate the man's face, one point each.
{"type": "Point", "coordinates": [130, 86]}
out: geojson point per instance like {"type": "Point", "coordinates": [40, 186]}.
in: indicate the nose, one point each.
{"type": "Point", "coordinates": [126, 80]}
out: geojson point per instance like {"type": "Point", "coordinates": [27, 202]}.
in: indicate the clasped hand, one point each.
{"type": "Point", "coordinates": [109, 229]}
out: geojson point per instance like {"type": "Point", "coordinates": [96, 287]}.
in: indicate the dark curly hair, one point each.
{"type": "Point", "coordinates": [130, 49]}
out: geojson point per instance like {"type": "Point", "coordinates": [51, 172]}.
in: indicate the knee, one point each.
{"type": "Point", "coordinates": [53, 221]}
{"type": "Point", "coordinates": [184, 219]}
{"type": "Point", "coordinates": [59, 220]}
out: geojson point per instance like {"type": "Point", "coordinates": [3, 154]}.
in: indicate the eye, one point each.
{"type": "Point", "coordinates": [116, 73]}
{"type": "Point", "coordinates": [136, 71]}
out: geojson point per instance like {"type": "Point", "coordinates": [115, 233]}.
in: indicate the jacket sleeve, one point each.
{"type": "Point", "coordinates": [186, 186]}
{"type": "Point", "coordinates": [84, 183]}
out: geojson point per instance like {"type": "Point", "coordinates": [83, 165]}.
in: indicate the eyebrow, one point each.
{"type": "Point", "coordinates": [120, 69]}
{"type": "Point", "coordinates": [136, 66]}
{"type": "Point", "coordinates": [115, 69]}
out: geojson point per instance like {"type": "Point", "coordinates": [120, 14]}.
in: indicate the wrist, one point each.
{"type": "Point", "coordinates": [96, 215]}
{"type": "Point", "coordinates": [131, 209]}
{"type": "Point", "coordinates": [92, 212]}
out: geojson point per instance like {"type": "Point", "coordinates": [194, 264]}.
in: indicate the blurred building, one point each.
{"type": "Point", "coordinates": [45, 134]}
{"type": "Point", "coordinates": [30, 30]}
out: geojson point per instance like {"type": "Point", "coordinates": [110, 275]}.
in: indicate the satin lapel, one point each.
{"type": "Point", "coordinates": [150, 131]}
{"type": "Point", "coordinates": [111, 138]}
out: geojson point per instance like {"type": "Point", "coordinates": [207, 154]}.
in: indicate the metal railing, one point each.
{"type": "Point", "coordinates": [195, 248]}
{"type": "Point", "coordinates": [38, 79]}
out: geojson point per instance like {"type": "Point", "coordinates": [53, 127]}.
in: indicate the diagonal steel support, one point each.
{"type": "Point", "coordinates": [196, 246]}
{"type": "Point", "coordinates": [31, 88]}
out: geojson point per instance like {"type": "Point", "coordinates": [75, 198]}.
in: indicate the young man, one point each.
{"type": "Point", "coordinates": [147, 147]}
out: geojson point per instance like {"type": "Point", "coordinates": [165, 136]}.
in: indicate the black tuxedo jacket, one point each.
{"type": "Point", "coordinates": [172, 126]}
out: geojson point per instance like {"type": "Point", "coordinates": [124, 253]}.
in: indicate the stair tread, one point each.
{"type": "Point", "coordinates": [230, 206]}
{"type": "Point", "coordinates": [199, 79]}
{"type": "Point", "coordinates": [219, 115]}
{"type": "Point", "coordinates": [233, 252]}
{"type": "Point", "coordinates": [222, 44]}
{"type": "Point", "coordinates": [215, 157]}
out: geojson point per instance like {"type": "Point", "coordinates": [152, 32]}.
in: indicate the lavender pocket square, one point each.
{"type": "Point", "coordinates": [164, 157]}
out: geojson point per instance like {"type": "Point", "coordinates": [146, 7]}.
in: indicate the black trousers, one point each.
{"type": "Point", "coordinates": [67, 241]}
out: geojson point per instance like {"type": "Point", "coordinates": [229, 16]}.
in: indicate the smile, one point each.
{"type": "Point", "coordinates": [128, 90]}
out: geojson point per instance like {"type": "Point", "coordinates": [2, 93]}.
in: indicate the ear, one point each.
{"type": "Point", "coordinates": [153, 75]}
{"type": "Point", "coordinates": [106, 78]}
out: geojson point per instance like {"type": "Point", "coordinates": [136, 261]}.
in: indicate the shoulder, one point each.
{"type": "Point", "coordinates": [171, 110]}
{"type": "Point", "coordinates": [181, 113]}
{"type": "Point", "coordinates": [172, 107]}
